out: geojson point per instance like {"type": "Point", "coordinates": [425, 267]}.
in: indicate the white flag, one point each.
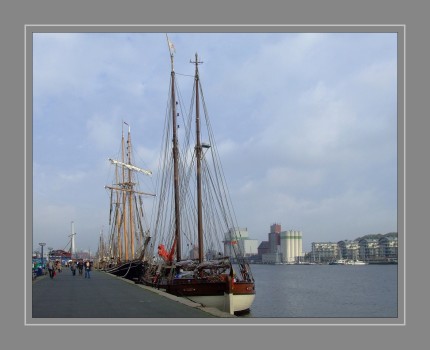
{"type": "Point", "coordinates": [172, 47]}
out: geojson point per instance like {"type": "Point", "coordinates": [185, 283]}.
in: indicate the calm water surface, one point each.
{"type": "Point", "coordinates": [324, 291]}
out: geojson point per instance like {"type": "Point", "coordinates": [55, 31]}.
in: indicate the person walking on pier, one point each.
{"type": "Point", "coordinates": [80, 267]}
{"type": "Point", "coordinates": [87, 269]}
{"type": "Point", "coordinates": [73, 268]}
{"type": "Point", "coordinates": [59, 267]}
{"type": "Point", "coordinates": [51, 269]}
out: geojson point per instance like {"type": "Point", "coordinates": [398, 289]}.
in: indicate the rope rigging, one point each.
{"type": "Point", "coordinates": [219, 216]}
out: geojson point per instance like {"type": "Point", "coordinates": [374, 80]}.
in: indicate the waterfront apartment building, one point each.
{"type": "Point", "coordinates": [324, 251]}
{"type": "Point", "coordinates": [388, 247]}
{"type": "Point", "coordinates": [369, 248]}
{"type": "Point", "coordinates": [348, 250]}
{"type": "Point", "coordinates": [384, 249]}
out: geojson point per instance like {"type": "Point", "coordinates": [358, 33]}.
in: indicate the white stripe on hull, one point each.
{"type": "Point", "coordinates": [240, 302]}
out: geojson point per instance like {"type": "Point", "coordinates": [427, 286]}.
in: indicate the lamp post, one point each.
{"type": "Point", "coordinates": [41, 259]}
{"type": "Point", "coordinates": [50, 252]}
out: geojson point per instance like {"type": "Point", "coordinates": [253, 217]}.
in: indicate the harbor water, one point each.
{"type": "Point", "coordinates": [325, 291]}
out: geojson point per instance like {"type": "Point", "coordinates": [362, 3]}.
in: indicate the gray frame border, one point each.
{"type": "Point", "coordinates": [399, 29]}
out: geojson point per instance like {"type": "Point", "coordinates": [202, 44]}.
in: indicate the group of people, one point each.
{"type": "Point", "coordinates": [53, 267]}
{"type": "Point", "coordinates": [80, 266]}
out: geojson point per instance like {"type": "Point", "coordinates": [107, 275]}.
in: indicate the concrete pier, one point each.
{"type": "Point", "coordinates": [107, 296]}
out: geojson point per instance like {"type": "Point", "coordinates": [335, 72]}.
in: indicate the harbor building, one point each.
{"type": "Point", "coordinates": [369, 249]}
{"type": "Point", "coordinates": [238, 238]}
{"type": "Point", "coordinates": [60, 255]}
{"type": "Point", "coordinates": [380, 250]}
{"type": "Point", "coordinates": [377, 250]}
{"type": "Point", "coordinates": [281, 247]}
{"type": "Point", "coordinates": [270, 251]}
{"type": "Point", "coordinates": [388, 248]}
{"type": "Point", "coordinates": [263, 248]}
{"type": "Point", "coordinates": [271, 258]}
{"type": "Point", "coordinates": [274, 238]}
{"type": "Point", "coordinates": [348, 250]}
{"type": "Point", "coordinates": [323, 252]}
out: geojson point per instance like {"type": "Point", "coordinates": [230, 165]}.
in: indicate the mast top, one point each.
{"type": "Point", "coordinates": [196, 62]}
{"type": "Point", "coordinates": [128, 126]}
{"type": "Point", "coordinates": [172, 51]}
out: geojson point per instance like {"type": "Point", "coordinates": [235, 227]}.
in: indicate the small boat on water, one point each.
{"type": "Point", "coordinates": [347, 262]}
{"type": "Point", "coordinates": [194, 219]}
{"type": "Point", "coordinates": [356, 262]}
{"type": "Point", "coordinates": [338, 262]}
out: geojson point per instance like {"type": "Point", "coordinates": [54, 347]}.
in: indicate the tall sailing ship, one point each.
{"type": "Point", "coordinates": [129, 226]}
{"type": "Point", "coordinates": [194, 220]}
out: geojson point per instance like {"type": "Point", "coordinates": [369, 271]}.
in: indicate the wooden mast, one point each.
{"type": "Point", "coordinates": [198, 149]}
{"type": "Point", "coordinates": [175, 156]}
{"type": "Point", "coordinates": [117, 220]}
{"type": "Point", "coordinates": [124, 200]}
{"type": "Point", "coordinates": [125, 212]}
{"type": "Point", "coordinates": [130, 196]}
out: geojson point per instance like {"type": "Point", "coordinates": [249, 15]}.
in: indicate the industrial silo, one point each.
{"type": "Point", "coordinates": [284, 246]}
{"type": "Point", "coordinates": [300, 244]}
{"type": "Point", "coordinates": [289, 245]}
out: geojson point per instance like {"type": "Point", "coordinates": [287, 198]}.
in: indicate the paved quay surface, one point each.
{"type": "Point", "coordinates": [108, 296]}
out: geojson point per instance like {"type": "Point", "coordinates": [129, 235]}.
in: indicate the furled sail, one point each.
{"type": "Point", "coordinates": [131, 167]}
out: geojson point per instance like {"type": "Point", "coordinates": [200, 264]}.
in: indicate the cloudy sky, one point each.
{"type": "Point", "coordinates": [306, 126]}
